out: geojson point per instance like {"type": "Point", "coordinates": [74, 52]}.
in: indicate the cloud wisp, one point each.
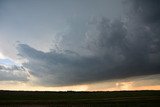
{"type": "Point", "coordinates": [13, 73]}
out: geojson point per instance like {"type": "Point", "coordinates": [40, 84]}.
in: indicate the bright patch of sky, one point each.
{"type": "Point", "coordinates": [7, 61]}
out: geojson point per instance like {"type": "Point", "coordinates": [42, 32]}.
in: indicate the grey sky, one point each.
{"type": "Point", "coordinates": [25, 21]}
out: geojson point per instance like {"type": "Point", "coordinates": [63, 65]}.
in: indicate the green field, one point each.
{"type": "Point", "coordinates": [80, 99]}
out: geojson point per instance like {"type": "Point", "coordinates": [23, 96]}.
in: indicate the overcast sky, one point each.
{"type": "Point", "coordinates": [80, 44]}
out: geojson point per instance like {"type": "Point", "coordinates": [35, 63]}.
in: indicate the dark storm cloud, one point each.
{"type": "Point", "coordinates": [119, 49]}
{"type": "Point", "coordinates": [13, 73]}
{"type": "Point", "coordinates": [59, 68]}
{"type": "Point", "coordinates": [147, 10]}
{"type": "Point", "coordinates": [144, 28]}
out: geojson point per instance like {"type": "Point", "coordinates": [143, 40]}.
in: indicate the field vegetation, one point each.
{"type": "Point", "coordinates": [80, 99]}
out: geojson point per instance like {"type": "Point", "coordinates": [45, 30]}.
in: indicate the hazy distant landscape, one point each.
{"type": "Point", "coordinates": [80, 99]}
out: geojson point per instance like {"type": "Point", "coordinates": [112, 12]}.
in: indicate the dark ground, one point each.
{"type": "Point", "coordinates": [80, 99]}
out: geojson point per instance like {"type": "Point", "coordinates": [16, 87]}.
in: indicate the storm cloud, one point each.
{"type": "Point", "coordinates": [114, 49]}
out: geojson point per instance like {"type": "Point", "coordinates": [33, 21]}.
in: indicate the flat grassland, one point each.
{"type": "Point", "coordinates": [79, 99]}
